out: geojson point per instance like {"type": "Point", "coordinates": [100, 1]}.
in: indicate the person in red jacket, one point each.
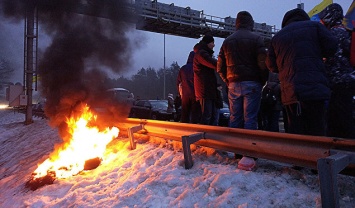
{"type": "Point", "coordinates": [205, 80]}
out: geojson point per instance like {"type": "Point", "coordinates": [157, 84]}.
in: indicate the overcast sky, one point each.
{"type": "Point", "coordinates": [177, 48]}
{"type": "Point", "coordinates": [151, 54]}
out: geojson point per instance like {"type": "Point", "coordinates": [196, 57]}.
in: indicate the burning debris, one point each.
{"type": "Point", "coordinates": [92, 163]}
{"type": "Point", "coordinates": [35, 182]}
{"type": "Point", "coordinates": [83, 150]}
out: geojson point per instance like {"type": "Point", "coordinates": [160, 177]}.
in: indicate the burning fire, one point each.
{"type": "Point", "coordinates": [85, 143]}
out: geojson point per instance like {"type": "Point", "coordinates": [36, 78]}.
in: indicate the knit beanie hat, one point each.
{"type": "Point", "coordinates": [207, 39]}
{"type": "Point", "coordinates": [244, 20]}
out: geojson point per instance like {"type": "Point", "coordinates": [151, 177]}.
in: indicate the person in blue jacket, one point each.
{"type": "Point", "coordinates": [190, 108]}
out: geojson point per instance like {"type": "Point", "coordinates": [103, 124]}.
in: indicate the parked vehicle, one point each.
{"type": "Point", "coordinates": [151, 109]}
{"type": "Point", "coordinates": [121, 95]}
{"type": "Point", "coordinates": [224, 114]}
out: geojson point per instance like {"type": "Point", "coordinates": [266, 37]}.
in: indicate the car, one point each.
{"type": "Point", "coordinates": [121, 95]}
{"type": "Point", "coordinates": [151, 109]}
{"type": "Point", "coordinates": [224, 114]}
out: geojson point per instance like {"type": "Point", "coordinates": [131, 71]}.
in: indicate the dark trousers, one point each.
{"type": "Point", "coordinates": [208, 112]}
{"type": "Point", "coordinates": [306, 117]}
{"type": "Point", "coordinates": [340, 115]}
{"type": "Point", "coordinates": [190, 110]}
{"type": "Point", "coordinates": [270, 120]}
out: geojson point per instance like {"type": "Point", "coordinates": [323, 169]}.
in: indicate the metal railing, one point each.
{"type": "Point", "coordinates": [171, 19]}
{"type": "Point", "coordinates": [329, 156]}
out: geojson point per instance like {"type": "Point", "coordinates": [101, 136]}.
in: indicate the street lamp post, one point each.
{"type": "Point", "coordinates": [164, 69]}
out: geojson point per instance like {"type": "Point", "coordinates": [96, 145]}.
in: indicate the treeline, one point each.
{"type": "Point", "coordinates": [6, 71]}
{"type": "Point", "coordinates": [148, 83]}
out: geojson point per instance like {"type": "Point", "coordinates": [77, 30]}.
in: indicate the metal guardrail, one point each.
{"type": "Point", "coordinates": [329, 156]}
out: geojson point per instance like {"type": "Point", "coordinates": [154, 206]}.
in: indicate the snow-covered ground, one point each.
{"type": "Point", "coordinates": [153, 175]}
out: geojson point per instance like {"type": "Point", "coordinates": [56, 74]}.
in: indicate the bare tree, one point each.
{"type": "Point", "coordinates": [5, 72]}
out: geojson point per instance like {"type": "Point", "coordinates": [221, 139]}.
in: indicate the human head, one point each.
{"type": "Point", "coordinates": [294, 15]}
{"type": "Point", "coordinates": [209, 40]}
{"type": "Point", "coordinates": [332, 15]}
{"type": "Point", "coordinates": [244, 20]}
{"type": "Point", "coordinates": [190, 58]}
{"type": "Point", "coordinates": [196, 47]}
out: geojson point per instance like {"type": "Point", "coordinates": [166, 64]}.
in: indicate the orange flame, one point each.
{"type": "Point", "coordinates": [85, 143]}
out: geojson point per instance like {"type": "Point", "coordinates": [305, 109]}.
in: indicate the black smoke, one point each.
{"type": "Point", "coordinates": [88, 37]}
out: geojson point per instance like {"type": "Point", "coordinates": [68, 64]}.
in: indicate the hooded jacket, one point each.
{"type": "Point", "coordinates": [296, 52]}
{"type": "Point", "coordinates": [339, 71]}
{"type": "Point", "coordinates": [186, 78]}
{"type": "Point", "coordinates": [238, 59]}
{"type": "Point", "coordinates": [204, 66]}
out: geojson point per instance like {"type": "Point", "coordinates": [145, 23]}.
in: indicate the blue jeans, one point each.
{"type": "Point", "coordinates": [244, 100]}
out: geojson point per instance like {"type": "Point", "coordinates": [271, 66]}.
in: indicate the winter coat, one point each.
{"type": "Point", "coordinates": [272, 88]}
{"type": "Point", "coordinates": [186, 78]}
{"type": "Point", "coordinates": [242, 56]}
{"type": "Point", "coordinates": [296, 52]}
{"type": "Point", "coordinates": [339, 71]}
{"type": "Point", "coordinates": [170, 104]}
{"type": "Point", "coordinates": [219, 100]}
{"type": "Point", "coordinates": [204, 66]}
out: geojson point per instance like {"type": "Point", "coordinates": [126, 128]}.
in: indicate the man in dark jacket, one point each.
{"type": "Point", "coordinates": [296, 52]}
{"type": "Point", "coordinates": [190, 108]}
{"type": "Point", "coordinates": [238, 66]}
{"type": "Point", "coordinates": [205, 81]}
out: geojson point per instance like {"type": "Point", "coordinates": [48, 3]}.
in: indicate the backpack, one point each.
{"type": "Point", "coordinates": [268, 98]}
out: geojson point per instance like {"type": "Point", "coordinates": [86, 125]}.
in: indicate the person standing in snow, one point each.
{"type": "Point", "coordinates": [170, 103]}
{"type": "Point", "coordinates": [219, 102]}
{"type": "Point", "coordinates": [241, 66]}
{"type": "Point", "coordinates": [205, 80]}
{"type": "Point", "coordinates": [271, 107]}
{"type": "Point", "coordinates": [190, 108]}
{"type": "Point", "coordinates": [341, 76]}
{"type": "Point", "coordinates": [296, 53]}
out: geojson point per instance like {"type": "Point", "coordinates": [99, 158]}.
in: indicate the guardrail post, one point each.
{"type": "Point", "coordinates": [186, 142]}
{"type": "Point", "coordinates": [328, 169]}
{"type": "Point", "coordinates": [131, 131]}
